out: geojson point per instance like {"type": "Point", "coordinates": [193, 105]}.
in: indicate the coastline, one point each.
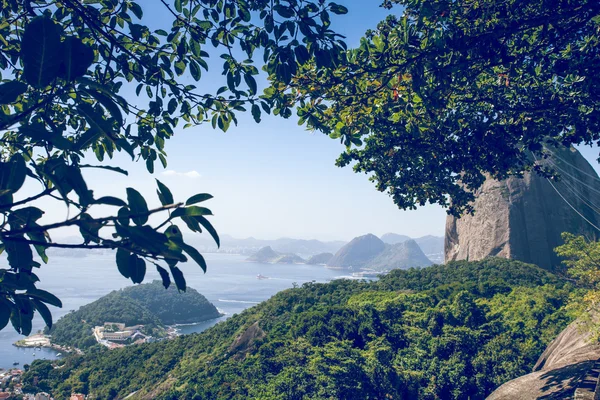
{"type": "Point", "coordinates": [41, 340]}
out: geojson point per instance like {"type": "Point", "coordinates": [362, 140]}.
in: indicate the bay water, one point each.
{"type": "Point", "coordinates": [230, 283]}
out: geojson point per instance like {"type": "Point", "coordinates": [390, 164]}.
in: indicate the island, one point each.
{"type": "Point", "coordinates": [270, 256]}
{"type": "Point", "coordinates": [136, 314]}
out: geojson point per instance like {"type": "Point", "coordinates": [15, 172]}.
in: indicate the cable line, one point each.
{"type": "Point", "coordinates": [574, 177]}
{"type": "Point", "coordinates": [567, 201]}
{"type": "Point", "coordinates": [591, 205]}
{"type": "Point", "coordinates": [571, 165]}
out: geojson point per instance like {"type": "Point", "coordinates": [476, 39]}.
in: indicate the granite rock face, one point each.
{"type": "Point", "coordinates": [523, 218]}
{"type": "Point", "coordinates": [559, 370]}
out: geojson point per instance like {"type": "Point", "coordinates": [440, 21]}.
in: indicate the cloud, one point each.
{"type": "Point", "coordinates": [189, 174]}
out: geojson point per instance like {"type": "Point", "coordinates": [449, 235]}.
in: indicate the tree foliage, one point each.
{"type": "Point", "coordinates": [582, 258]}
{"type": "Point", "coordinates": [409, 335]}
{"type": "Point", "coordinates": [68, 71]}
{"type": "Point", "coordinates": [450, 92]}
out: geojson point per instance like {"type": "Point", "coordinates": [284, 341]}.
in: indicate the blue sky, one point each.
{"type": "Point", "coordinates": [276, 179]}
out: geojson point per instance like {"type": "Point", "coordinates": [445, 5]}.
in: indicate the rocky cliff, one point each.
{"type": "Point", "coordinates": [523, 218]}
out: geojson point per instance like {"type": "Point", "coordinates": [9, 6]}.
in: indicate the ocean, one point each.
{"type": "Point", "coordinates": [230, 284]}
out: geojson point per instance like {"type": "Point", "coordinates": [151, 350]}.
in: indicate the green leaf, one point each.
{"type": "Point", "coordinates": [77, 58]}
{"type": "Point", "coordinates": [13, 173]}
{"type": "Point", "coordinates": [96, 120]}
{"type": "Point", "coordinates": [5, 311]}
{"type": "Point", "coordinates": [178, 278]}
{"type": "Point", "coordinates": [164, 194]}
{"type": "Point", "coordinates": [251, 82]}
{"type": "Point", "coordinates": [110, 201]}
{"type": "Point", "coordinates": [164, 276]}
{"type": "Point", "coordinates": [195, 254]}
{"type": "Point", "coordinates": [108, 167]}
{"type": "Point", "coordinates": [256, 113]}
{"type": "Point", "coordinates": [338, 9]}
{"type": "Point", "coordinates": [198, 198]}
{"type": "Point", "coordinates": [108, 103]}
{"type": "Point", "coordinates": [138, 206]}
{"type": "Point", "coordinates": [208, 226]}
{"type": "Point", "coordinates": [41, 51]}
{"type": "Point", "coordinates": [20, 256]}
{"type": "Point", "coordinates": [44, 312]}
{"type": "Point", "coordinates": [123, 262]}
{"type": "Point", "coordinates": [136, 10]}
{"type": "Point", "coordinates": [192, 211]}
{"type": "Point", "coordinates": [302, 55]}
{"type": "Point", "coordinates": [44, 296]}
{"type": "Point", "coordinates": [137, 268]}
{"type": "Point", "coordinates": [10, 91]}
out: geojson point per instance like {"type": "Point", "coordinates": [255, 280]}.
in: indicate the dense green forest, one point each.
{"type": "Point", "coordinates": [446, 331]}
{"type": "Point", "coordinates": [148, 304]}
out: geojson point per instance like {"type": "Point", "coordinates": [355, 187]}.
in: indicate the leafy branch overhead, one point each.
{"type": "Point", "coordinates": [90, 79]}
{"type": "Point", "coordinates": [448, 93]}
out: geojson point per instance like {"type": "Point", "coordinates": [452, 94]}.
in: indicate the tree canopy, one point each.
{"type": "Point", "coordinates": [448, 93]}
{"type": "Point", "coordinates": [65, 68]}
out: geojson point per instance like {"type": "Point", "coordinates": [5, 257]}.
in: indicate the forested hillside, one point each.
{"type": "Point", "coordinates": [444, 332]}
{"type": "Point", "coordinates": [148, 304]}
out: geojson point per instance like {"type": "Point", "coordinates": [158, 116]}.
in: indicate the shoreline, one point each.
{"type": "Point", "coordinates": [40, 340]}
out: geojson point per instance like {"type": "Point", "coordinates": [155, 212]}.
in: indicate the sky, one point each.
{"type": "Point", "coordinates": [276, 179]}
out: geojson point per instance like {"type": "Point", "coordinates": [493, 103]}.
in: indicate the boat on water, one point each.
{"type": "Point", "coordinates": [59, 354]}
{"type": "Point", "coordinates": [15, 363]}
{"type": "Point", "coordinates": [259, 276]}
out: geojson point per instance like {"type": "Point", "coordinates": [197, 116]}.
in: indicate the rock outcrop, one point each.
{"type": "Point", "coordinates": [560, 369]}
{"type": "Point", "coordinates": [523, 218]}
{"type": "Point", "coordinates": [403, 255]}
{"type": "Point", "coordinates": [358, 252]}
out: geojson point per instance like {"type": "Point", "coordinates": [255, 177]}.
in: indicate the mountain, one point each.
{"type": "Point", "coordinates": [403, 255]}
{"type": "Point", "coordinates": [264, 255]}
{"type": "Point", "coordinates": [394, 238]}
{"type": "Point", "coordinates": [268, 255]}
{"type": "Point", "coordinates": [289, 259]}
{"type": "Point", "coordinates": [320, 259]}
{"type": "Point", "coordinates": [523, 218]}
{"type": "Point", "coordinates": [149, 304]}
{"type": "Point", "coordinates": [305, 248]}
{"type": "Point", "coordinates": [456, 329]}
{"type": "Point", "coordinates": [433, 247]}
{"type": "Point", "coordinates": [358, 252]}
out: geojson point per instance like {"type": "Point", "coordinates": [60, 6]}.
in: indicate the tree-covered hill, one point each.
{"type": "Point", "coordinates": [148, 304]}
{"type": "Point", "coordinates": [443, 332]}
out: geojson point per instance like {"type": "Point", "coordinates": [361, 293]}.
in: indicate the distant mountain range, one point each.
{"type": "Point", "coordinates": [370, 252]}
{"type": "Point", "coordinates": [301, 247]}
{"type": "Point", "coordinates": [363, 252]}
{"type": "Point", "coordinates": [432, 246]}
